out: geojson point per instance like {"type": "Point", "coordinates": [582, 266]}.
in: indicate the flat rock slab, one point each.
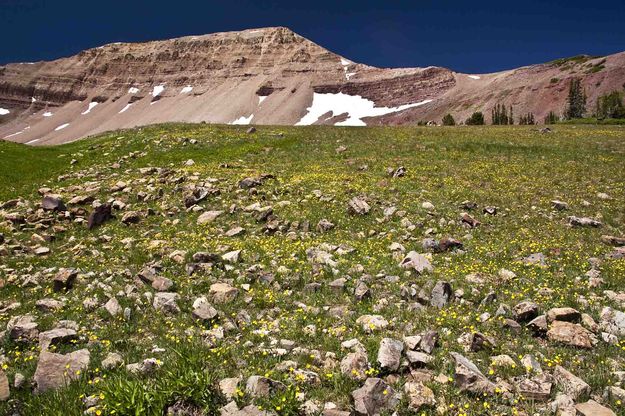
{"type": "Point", "coordinates": [592, 408]}
{"type": "Point", "coordinates": [570, 383]}
{"type": "Point", "coordinates": [574, 335]}
{"type": "Point", "coordinates": [57, 370]}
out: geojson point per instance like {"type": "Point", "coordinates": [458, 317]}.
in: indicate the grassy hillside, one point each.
{"type": "Point", "coordinates": [279, 324]}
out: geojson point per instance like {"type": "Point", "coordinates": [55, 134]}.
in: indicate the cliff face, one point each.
{"type": "Point", "coordinates": [262, 76]}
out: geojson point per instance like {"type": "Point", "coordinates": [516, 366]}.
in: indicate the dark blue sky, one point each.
{"type": "Point", "coordinates": [474, 37]}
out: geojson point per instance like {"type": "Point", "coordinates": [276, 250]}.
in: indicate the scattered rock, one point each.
{"type": "Point", "coordinates": [613, 321]}
{"type": "Point", "coordinates": [229, 387]}
{"type": "Point", "coordinates": [53, 202]}
{"type": "Point", "coordinates": [613, 241]}
{"type": "Point", "coordinates": [419, 396]}
{"type": "Point", "coordinates": [324, 226]}
{"type": "Point", "coordinates": [374, 398]}
{"type": "Point", "coordinates": [358, 206]}
{"type": "Point", "coordinates": [525, 311]}
{"type": "Point", "coordinates": [559, 205]}
{"type": "Point", "coordinates": [571, 334]}
{"type": "Point", "coordinates": [208, 216]}
{"type": "Point", "coordinates": [583, 222]}
{"type": "Point", "coordinates": [55, 337]}
{"type": "Point", "coordinates": [64, 280]}
{"type": "Point", "coordinates": [389, 354]}
{"type": "Point", "coordinates": [417, 262]}
{"type": "Point", "coordinates": [569, 383]}
{"type": "Point", "coordinates": [166, 301]}
{"type": "Point", "coordinates": [539, 325]}
{"type": "Point", "coordinates": [371, 323]}
{"type": "Point", "coordinates": [4, 387]}
{"type": "Point", "coordinates": [441, 294]}
{"type": "Point", "coordinates": [537, 388]}
{"type": "Point", "coordinates": [418, 359]}
{"type": "Point", "coordinates": [563, 314]}
{"type": "Point", "coordinates": [23, 328]}
{"type": "Point", "coordinates": [99, 216]}
{"type": "Point", "coordinates": [592, 408]}
{"type": "Point", "coordinates": [131, 217]}
{"type": "Point", "coordinates": [355, 365]}
{"type": "Point", "coordinates": [57, 370]}
{"type": "Point", "coordinates": [535, 259]}
{"type": "Point", "coordinates": [112, 360]}
{"type": "Point", "coordinates": [469, 378]}
{"type": "Point", "coordinates": [259, 387]}
{"type": "Point", "coordinates": [469, 220]}
{"type": "Point", "coordinates": [223, 292]}
{"type": "Point", "coordinates": [204, 312]}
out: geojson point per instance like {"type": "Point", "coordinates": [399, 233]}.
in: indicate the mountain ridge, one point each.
{"type": "Point", "coordinates": [264, 76]}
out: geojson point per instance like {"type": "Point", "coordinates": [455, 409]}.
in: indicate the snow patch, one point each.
{"type": "Point", "coordinates": [133, 90]}
{"type": "Point", "coordinates": [14, 134]}
{"type": "Point", "coordinates": [345, 64]}
{"type": "Point", "coordinates": [261, 98]}
{"type": "Point", "coordinates": [19, 132]}
{"type": "Point", "coordinates": [355, 106]}
{"type": "Point", "coordinates": [32, 141]}
{"type": "Point", "coordinates": [156, 91]}
{"type": "Point", "coordinates": [125, 108]}
{"type": "Point", "coordinates": [47, 114]}
{"type": "Point", "coordinates": [474, 77]}
{"type": "Point", "coordinates": [91, 105]}
{"type": "Point", "coordinates": [61, 127]}
{"type": "Point", "coordinates": [4, 111]}
{"type": "Point", "coordinates": [243, 120]}
{"type": "Point", "coordinates": [186, 89]}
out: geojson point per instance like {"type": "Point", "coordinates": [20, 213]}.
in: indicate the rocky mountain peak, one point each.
{"type": "Point", "coordinates": [263, 76]}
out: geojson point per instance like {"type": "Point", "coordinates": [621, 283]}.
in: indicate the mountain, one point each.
{"type": "Point", "coordinates": [264, 76]}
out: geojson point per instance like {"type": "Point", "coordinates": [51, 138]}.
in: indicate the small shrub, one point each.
{"type": "Point", "coordinates": [448, 120]}
{"type": "Point", "coordinates": [476, 119]}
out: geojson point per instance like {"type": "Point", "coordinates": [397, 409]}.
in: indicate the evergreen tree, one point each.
{"type": "Point", "coordinates": [527, 119]}
{"type": "Point", "coordinates": [448, 120]}
{"type": "Point", "coordinates": [501, 116]}
{"type": "Point", "coordinates": [610, 106]}
{"type": "Point", "coordinates": [476, 119]}
{"type": "Point", "coordinates": [551, 118]}
{"type": "Point", "coordinates": [576, 101]}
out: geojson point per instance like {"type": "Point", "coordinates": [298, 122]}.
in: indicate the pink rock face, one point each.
{"type": "Point", "coordinates": [263, 76]}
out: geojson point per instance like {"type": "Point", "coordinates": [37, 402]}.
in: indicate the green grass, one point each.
{"type": "Point", "coordinates": [515, 168]}
{"type": "Point", "coordinates": [593, 121]}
